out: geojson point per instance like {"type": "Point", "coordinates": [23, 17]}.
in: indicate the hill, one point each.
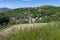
{"type": "Point", "coordinates": [4, 9]}
{"type": "Point", "coordinates": [38, 31]}
{"type": "Point", "coordinates": [42, 14]}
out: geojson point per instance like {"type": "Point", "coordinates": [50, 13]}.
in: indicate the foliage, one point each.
{"type": "Point", "coordinates": [52, 13]}
{"type": "Point", "coordinates": [48, 32]}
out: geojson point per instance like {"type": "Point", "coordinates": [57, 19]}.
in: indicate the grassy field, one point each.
{"type": "Point", "coordinates": [37, 31]}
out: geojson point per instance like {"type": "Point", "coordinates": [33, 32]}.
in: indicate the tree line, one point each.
{"type": "Point", "coordinates": [47, 13]}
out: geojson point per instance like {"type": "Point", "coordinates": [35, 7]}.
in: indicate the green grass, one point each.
{"type": "Point", "coordinates": [48, 32]}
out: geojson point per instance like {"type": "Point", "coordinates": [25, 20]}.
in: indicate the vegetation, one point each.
{"type": "Point", "coordinates": [47, 32]}
{"type": "Point", "coordinates": [46, 12]}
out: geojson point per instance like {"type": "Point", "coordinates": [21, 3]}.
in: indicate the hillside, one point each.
{"type": "Point", "coordinates": [4, 9]}
{"type": "Point", "coordinates": [38, 23]}
{"type": "Point", "coordinates": [9, 30]}
{"type": "Point", "coordinates": [42, 14]}
{"type": "Point", "coordinates": [35, 31]}
{"type": "Point", "coordinates": [47, 13]}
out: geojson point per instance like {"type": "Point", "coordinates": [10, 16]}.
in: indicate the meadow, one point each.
{"type": "Point", "coordinates": [37, 31]}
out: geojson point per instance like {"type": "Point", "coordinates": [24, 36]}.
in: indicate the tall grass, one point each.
{"type": "Point", "coordinates": [48, 32]}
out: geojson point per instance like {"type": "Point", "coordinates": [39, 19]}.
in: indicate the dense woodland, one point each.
{"type": "Point", "coordinates": [47, 13]}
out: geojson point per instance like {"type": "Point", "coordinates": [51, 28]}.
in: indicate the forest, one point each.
{"type": "Point", "coordinates": [44, 14]}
